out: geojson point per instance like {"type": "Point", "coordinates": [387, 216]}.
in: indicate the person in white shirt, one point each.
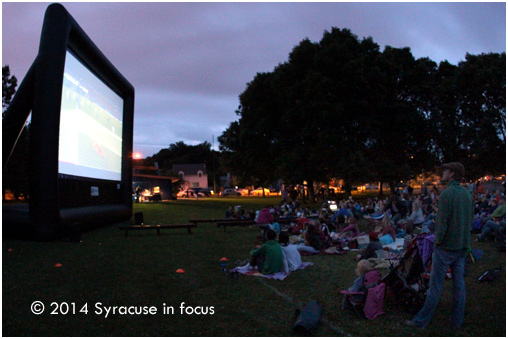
{"type": "Point", "coordinates": [292, 259]}
{"type": "Point", "coordinates": [416, 217]}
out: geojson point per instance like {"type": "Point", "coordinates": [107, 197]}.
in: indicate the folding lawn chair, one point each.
{"type": "Point", "coordinates": [371, 304]}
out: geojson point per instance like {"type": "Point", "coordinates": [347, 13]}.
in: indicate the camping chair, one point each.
{"type": "Point", "coordinates": [371, 305]}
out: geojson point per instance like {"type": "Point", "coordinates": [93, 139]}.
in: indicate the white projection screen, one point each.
{"type": "Point", "coordinates": [90, 125]}
{"type": "Point", "coordinates": [81, 134]}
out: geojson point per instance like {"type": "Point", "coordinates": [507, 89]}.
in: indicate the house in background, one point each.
{"type": "Point", "coordinates": [148, 184]}
{"type": "Point", "coordinates": [193, 175]}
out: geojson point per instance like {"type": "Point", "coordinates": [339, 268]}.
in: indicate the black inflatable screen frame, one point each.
{"type": "Point", "coordinates": [59, 202]}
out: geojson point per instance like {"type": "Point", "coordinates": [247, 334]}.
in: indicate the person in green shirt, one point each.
{"type": "Point", "coordinates": [268, 258]}
{"type": "Point", "coordinates": [497, 222]}
{"type": "Point", "coordinates": [452, 241]}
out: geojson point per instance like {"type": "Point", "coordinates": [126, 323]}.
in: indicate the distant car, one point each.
{"type": "Point", "coordinates": [189, 194]}
{"type": "Point", "coordinates": [206, 191]}
{"type": "Point", "coordinates": [230, 192]}
{"type": "Point", "coordinates": [259, 191]}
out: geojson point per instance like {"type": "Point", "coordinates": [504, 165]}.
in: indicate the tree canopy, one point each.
{"type": "Point", "coordinates": [15, 175]}
{"type": "Point", "coordinates": [9, 83]}
{"type": "Point", "coordinates": [342, 108]}
{"type": "Point", "coordinates": [181, 153]}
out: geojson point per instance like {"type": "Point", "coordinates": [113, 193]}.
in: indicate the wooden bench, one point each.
{"type": "Point", "coordinates": [239, 223]}
{"type": "Point", "coordinates": [195, 221]}
{"type": "Point", "coordinates": [156, 227]}
{"type": "Point", "coordinates": [286, 220]}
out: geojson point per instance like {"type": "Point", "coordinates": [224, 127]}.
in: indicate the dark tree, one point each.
{"type": "Point", "coordinates": [9, 84]}
{"type": "Point", "coordinates": [15, 173]}
{"type": "Point", "coordinates": [399, 140]}
{"type": "Point", "coordinates": [248, 145]}
{"type": "Point", "coordinates": [181, 153]}
{"type": "Point", "coordinates": [306, 119]}
{"type": "Point", "coordinates": [481, 81]}
{"type": "Point", "coordinates": [340, 108]}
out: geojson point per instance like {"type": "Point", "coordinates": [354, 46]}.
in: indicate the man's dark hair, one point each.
{"type": "Point", "coordinates": [271, 235]}
{"type": "Point", "coordinates": [457, 168]}
{"type": "Point", "coordinates": [283, 238]}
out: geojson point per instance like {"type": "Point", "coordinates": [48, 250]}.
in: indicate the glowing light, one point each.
{"type": "Point", "coordinates": [137, 155]}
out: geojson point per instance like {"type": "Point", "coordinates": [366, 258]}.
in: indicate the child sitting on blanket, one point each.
{"type": "Point", "coordinates": [291, 257]}
{"type": "Point", "coordinates": [373, 246]}
{"type": "Point", "coordinates": [362, 268]}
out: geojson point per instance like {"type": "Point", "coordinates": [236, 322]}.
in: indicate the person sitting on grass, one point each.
{"type": "Point", "coordinates": [229, 213]}
{"type": "Point", "coordinates": [240, 213]}
{"type": "Point", "coordinates": [305, 245]}
{"type": "Point", "coordinates": [292, 259]}
{"type": "Point", "coordinates": [326, 220]}
{"type": "Point", "coordinates": [387, 231]}
{"type": "Point", "coordinates": [498, 220]}
{"type": "Point", "coordinates": [265, 216]}
{"type": "Point", "coordinates": [370, 207]}
{"type": "Point", "coordinates": [300, 225]}
{"type": "Point", "coordinates": [416, 218]}
{"type": "Point", "coordinates": [265, 219]}
{"type": "Point", "coordinates": [268, 258]}
{"type": "Point", "coordinates": [362, 268]}
{"type": "Point", "coordinates": [492, 206]}
{"type": "Point", "coordinates": [351, 230]}
{"type": "Point", "coordinates": [373, 246]}
{"type": "Point", "coordinates": [312, 237]}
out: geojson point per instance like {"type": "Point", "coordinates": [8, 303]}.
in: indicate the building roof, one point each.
{"type": "Point", "coordinates": [189, 169]}
{"type": "Point", "coordinates": [152, 176]}
{"type": "Point", "coordinates": [151, 168]}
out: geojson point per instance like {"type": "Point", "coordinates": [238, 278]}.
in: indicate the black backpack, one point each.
{"type": "Point", "coordinates": [489, 275]}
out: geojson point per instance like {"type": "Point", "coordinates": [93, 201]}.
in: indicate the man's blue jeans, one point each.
{"type": "Point", "coordinates": [441, 260]}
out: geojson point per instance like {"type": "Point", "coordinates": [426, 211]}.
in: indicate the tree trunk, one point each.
{"type": "Point", "coordinates": [310, 190]}
{"type": "Point", "coordinates": [392, 187]}
{"type": "Point", "coordinates": [347, 188]}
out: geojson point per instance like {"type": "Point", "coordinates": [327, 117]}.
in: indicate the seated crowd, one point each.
{"type": "Point", "coordinates": [383, 221]}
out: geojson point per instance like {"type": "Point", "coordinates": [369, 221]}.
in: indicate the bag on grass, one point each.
{"type": "Point", "coordinates": [308, 319]}
{"type": "Point", "coordinates": [489, 275]}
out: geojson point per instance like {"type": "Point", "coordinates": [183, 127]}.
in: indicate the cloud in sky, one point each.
{"type": "Point", "coordinates": [189, 62]}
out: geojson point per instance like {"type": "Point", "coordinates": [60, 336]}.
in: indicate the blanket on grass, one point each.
{"type": "Point", "coordinates": [397, 245]}
{"type": "Point", "coordinates": [248, 270]}
{"type": "Point", "coordinates": [322, 252]}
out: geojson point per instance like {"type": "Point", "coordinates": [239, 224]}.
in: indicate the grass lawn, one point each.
{"type": "Point", "coordinates": [110, 269]}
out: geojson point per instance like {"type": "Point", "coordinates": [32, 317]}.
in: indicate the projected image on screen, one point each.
{"type": "Point", "coordinates": [90, 125]}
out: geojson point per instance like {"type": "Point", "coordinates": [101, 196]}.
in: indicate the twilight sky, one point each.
{"type": "Point", "coordinates": [189, 62]}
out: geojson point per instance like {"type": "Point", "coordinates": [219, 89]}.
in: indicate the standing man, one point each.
{"type": "Point", "coordinates": [452, 237]}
